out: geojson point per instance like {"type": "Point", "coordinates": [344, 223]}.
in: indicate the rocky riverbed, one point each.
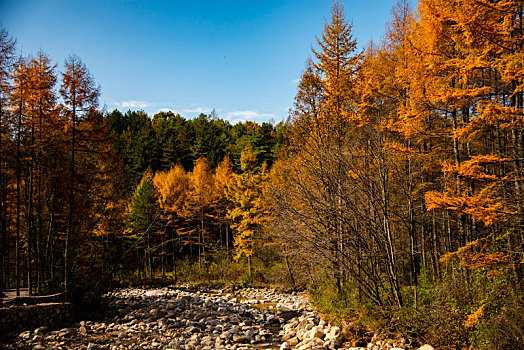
{"type": "Point", "coordinates": [182, 318]}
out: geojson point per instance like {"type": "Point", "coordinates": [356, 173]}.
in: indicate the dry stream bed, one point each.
{"type": "Point", "coordinates": [184, 319]}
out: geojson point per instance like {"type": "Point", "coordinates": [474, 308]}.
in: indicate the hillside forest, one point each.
{"type": "Point", "coordinates": [393, 192]}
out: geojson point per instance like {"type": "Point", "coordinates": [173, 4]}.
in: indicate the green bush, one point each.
{"type": "Point", "coordinates": [337, 305]}
{"type": "Point", "coordinates": [501, 324]}
{"type": "Point", "coordinates": [478, 309]}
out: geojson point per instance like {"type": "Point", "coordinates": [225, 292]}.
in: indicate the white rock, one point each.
{"type": "Point", "coordinates": [249, 334]}
{"type": "Point", "coordinates": [426, 347]}
{"type": "Point", "coordinates": [285, 346]}
{"type": "Point", "coordinates": [334, 333]}
{"type": "Point", "coordinates": [302, 325]}
{"type": "Point", "coordinates": [25, 335]}
{"type": "Point", "coordinates": [315, 332]}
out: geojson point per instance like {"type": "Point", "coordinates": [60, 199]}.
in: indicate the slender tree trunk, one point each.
{"type": "Point", "coordinates": [517, 160]}
{"type": "Point", "coordinates": [18, 199]}
{"type": "Point", "coordinates": [49, 244]}
{"type": "Point", "coordinates": [148, 257]}
{"type": "Point", "coordinates": [163, 262]}
{"type": "Point", "coordinates": [39, 264]}
{"type": "Point", "coordinates": [3, 227]}
{"type": "Point", "coordinates": [412, 244]}
{"type": "Point", "coordinates": [290, 273]}
{"type": "Point", "coordinates": [8, 255]}
{"type": "Point", "coordinates": [39, 226]}
{"type": "Point", "coordinates": [436, 266]}
{"type": "Point", "coordinates": [201, 238]}
{"type": "Point", "coordinates": [227, 235]}
{"type": "Point", "coordinates": [29, 221]}
{"type": "Point", "coordinates": [391, 258]}
{"type": "Point", "coordinates": [71, 195]}
{"type": "Point", "coordinates": [359, 273]}
{"type": "Point", "coordinates": [461, 217]}
{"type": "Point", "coordinates": [249, 265]}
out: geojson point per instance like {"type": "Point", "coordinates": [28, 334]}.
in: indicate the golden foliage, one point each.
{"type": "Point", "coordinates": [201, 184]}
{"type": "Point", "coordinates": [223, 176]}
{"type": "Point", "coordinates": [474, 256]}
{"type": "Point", "coordinates": [172, 187]}
{"type": "Point", "coordinates": [472, 169]}
{"type": "Point", "coordinates": [248, 213]}
{"type": "Point", "coordinates": [473, 318]}
{"type": "Point", "coordinates": [481, 206]}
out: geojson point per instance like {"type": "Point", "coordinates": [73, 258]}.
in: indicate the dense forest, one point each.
{"type": "Point", "coordinates": [393, 192]}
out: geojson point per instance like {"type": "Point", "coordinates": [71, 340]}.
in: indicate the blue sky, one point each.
{"type": "Point", "coordinates": [242, 58]}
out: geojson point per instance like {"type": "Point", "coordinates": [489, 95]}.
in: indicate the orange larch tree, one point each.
{"type": "Point", "coordinates": [80, 95]}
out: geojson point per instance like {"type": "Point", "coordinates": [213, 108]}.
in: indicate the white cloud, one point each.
{"type": "Point", "coordinates": [152, 108]}
{"type": "Point", "coordinates": [249, 114]}
{"type": "Point", "coordinates": [197, 110]}
{"type": "Point", "coordinates": [233, 117]}
{"type": "Point", "coordinates": [165, 110]}
{"type": "Point", "coordinates": [295, 81]}
{"type": "Point", "coordinates": [240, 116]}
{"type": "Point", "coordinates": [184, 112]}
{"type": "Point", "coordinates": [133, 104]}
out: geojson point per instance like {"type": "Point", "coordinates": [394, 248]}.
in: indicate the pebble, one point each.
{"type": "Point", "coordinates": [183, 318]}
{"type": "Point", "coordinates": [178, 318]}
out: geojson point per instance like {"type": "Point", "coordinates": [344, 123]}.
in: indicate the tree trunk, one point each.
{"type": "Point", "coordinates": [29, 221]}
{"type": "Point", "coordinates": [71, 195]}
{"type": "Point", "coordinates": [3, 230]}
{"type": "Point", "coordinates": [413, 259]}
{"type": "Point", "coordinates": [18, 199]}
{"type": "Point", "coordinates": [290, 273]}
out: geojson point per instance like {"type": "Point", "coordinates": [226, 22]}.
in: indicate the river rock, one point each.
{"type": "Point", "coordinates": [302, 325]}
{"type": "Point", "coordinates": [315, 332]}
{"type": "Point", "coordinates": [249, 335]}
{"type": "Point", "coordinates": [181, 319]}
{"type": "Point", "coordinates": [332, 344]}
{"type": "Point", "coordinates": [334, 335]}
{"type": "Point", "coordinates": [426, 347]}
{"type": "Point", "coordinates": [285, 346]}
{"type": "Point", "coordinates": [293, 341]}
{"type": "Point", "coordinates": [25, 335]}
{"type": "Point", "coordinates": [238, 338]}
{"type": "Point", "coordinates": [41, 330]}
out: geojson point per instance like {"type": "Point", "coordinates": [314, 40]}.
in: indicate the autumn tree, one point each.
{"type": "Point", "coordinates": [19, 102]}
{"type": "Point", "coordinates": [172, 187]}
{"type": "Point", "coordinates": [248, 213]}
{"type": "Point", "coordinates": [7, 50]}
{"type": "Point", "coordinates": [80, 95]}
{"type": "Point", "coordinates": [200, 197]}
{"type": "Point", "coordinates": [459, 50]}
{"type": "Point", "coordinates": [325, 178]}
{"type": "Point", "coordinates": [223, 179]}
{"type": "Point", "coordinates": [41, 118]}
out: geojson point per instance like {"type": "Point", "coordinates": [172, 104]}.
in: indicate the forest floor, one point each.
{"type": "Point", "coordinates": [195, 319]}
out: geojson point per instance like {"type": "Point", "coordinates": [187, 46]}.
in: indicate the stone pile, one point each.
{"type": "Point", "coordinates": [310, 331]}
{"type": "Point", "coordinates": [296, 302]}
{"type": "Point", "coordinates": [171, 318]}
{"type": "Point", "coordinates": [187, 319]}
